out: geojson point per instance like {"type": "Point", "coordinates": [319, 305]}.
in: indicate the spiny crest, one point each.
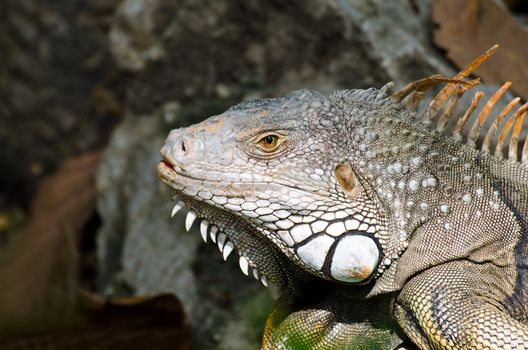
{"type": "Point", "coordinates": [345, 98]}
{"type": "Point", "coordinates": [442, 106]}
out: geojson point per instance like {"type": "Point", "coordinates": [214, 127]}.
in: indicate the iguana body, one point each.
{"type": "Point", "coordinates": [375, 227]}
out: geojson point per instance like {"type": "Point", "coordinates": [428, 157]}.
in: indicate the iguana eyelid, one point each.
{"type": "Point", "coordinates": [280, 139]}
{"type": "Point", "coordinates": [256, 149]}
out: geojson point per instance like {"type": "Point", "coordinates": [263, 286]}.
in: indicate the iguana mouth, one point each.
{"type": "Point", "coordinates": [302, 224]}
{"type": "Point", "coordinates": [224, 229]}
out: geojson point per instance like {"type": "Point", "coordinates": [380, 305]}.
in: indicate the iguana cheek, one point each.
{"type": "Point", "coordinates": [315, 251]}
{"type": "Point", "coordinates": [354, 259]}
{"type": "Point", "coordinates": [351, 258]}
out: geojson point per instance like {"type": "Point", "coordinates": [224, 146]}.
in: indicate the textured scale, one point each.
{"type": "Point", "coordinates": [381, 228]}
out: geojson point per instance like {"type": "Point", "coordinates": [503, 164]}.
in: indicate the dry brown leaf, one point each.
{"type": "Point", "coordinates": [135, 323]}
{"type": "Point", "coordinates": [41, 306]}
{"type": "Point", "coordinates": [466, 28]}
{"type": "Point", "coordinates": [39, 268]}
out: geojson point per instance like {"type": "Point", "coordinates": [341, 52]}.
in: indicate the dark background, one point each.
{"type": "Point", "coordinates": [89, 90]}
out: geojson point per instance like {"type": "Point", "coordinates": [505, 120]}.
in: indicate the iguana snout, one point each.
{"type": "Point", "coordinates": [205, 145]}
{"type": "Point", "coordinates": [183, 147]}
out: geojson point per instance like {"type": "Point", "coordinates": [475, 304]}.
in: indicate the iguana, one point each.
{"type": "Point", "coordinates": [382, 223]}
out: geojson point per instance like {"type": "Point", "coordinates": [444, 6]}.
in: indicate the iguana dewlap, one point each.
{"type": "Point", "coordinates": [380, 227]}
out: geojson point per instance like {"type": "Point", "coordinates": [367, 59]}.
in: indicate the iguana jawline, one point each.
{"type": "Point", "coordinates": [223, 227]}
{"type": "Point", "coordinates": [353, 260]}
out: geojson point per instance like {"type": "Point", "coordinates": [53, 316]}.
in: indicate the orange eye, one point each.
{"type": "Point", "coordinates": [269, 143]}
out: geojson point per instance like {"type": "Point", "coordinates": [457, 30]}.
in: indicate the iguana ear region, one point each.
{"type": "Point", "coordinates": [355, 255]}
{"type": "Point", "coordinates": [346, 178]}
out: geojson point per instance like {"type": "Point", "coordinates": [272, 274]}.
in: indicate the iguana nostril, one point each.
{"type": "Point", "coordinates": [188, 148]}
{"type": "Point", "coordinates": [184, 146]}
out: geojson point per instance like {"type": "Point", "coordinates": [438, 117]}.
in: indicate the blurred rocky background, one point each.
{"type": "Point", "coordinates": [89, 258]}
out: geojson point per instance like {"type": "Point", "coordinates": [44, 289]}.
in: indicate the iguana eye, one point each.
{"type": "Point", "coordinates": [269, 143]}
{"type": "Point", "coordinates": [270, 139]}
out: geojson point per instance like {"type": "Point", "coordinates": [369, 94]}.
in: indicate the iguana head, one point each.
{"type": "Point", "coordinates": [271, 180]}
{"type": "Point", "coordinates": [331, 189]}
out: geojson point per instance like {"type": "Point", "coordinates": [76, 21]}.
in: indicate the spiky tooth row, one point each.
{"type": "Point", "coordinates": [191, 216]}
{"type": "Point", "coordinates": [213, 232]}
{"type": "Point", "coordinates": [220, 241]}
{"type": "Point", "coordinates": [225, 245]}
{"type": "Point", "coordinates": [228, 248]}
{"type": "Point", "coordinates": [177, 208]}
{"type": "Point", "coordinates": [264, 280]}
{"type": "Point", "coordinates": [204, 225]}
{"type": "Point", "coordinates": [259, 277]}
{"type": "Point", "coordinates": [244, 265]}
